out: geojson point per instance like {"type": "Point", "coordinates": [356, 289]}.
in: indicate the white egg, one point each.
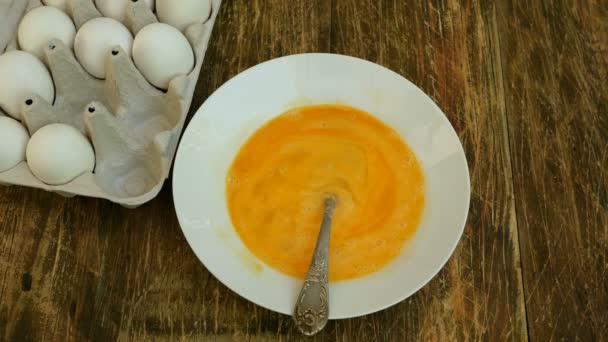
{"type": "Point", "coordinates": [58, 153]}
{"type": "Point", "coordinates": [60, 4]}
{"type": "Point", "coordinates": [117, 9]}
{"type": "Point", "coordinates": [94, 42]}
{"type": "Point", "coordinates": [14, 140]}
{"type": "Point", "coordinates": [42, 24]}
{"type": "Point", "coordinates": [183, 13]}
{"type": "Point", "coordinates": [161, 53]}
{"type": "Point", "coordinates": [21, 75]}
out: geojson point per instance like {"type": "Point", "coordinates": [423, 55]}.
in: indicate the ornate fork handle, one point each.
{"type": "Point", "coordinates": [312, 307]}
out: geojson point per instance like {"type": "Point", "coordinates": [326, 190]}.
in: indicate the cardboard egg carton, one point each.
{"type": "Point", "coordinates": [133, 126]}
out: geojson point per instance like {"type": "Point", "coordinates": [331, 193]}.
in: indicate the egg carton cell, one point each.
{"type": "Point", "coordinates": [133, 126]}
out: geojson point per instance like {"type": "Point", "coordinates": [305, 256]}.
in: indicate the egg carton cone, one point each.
{"type": "Point", "coordinates": [133, 126]}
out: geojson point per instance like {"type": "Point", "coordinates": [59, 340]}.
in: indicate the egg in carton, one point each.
{"type": "Point", "coordinates": [134, 127]}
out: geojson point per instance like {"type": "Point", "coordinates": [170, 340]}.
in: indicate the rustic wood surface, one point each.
{"type": "Point", "coordinates": [555, 66]}
{"type": "Point", "coordinates": [523, 83]}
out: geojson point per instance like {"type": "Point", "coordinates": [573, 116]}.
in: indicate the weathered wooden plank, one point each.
{"type": "Point", "coordinates": [450, 49]}
{"type": "Point", "coordinates": [555, 59]}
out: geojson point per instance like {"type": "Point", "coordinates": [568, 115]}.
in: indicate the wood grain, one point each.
{"type": "Point", "coordinates": [450, 50]}
{"type": "Point", "coordinates": [523, 84]}
{"type": "Point", "coordinates": [555, 60]}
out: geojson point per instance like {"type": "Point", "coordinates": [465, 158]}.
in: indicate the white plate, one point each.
{"type": "Point", "coordinates": [226, 120]}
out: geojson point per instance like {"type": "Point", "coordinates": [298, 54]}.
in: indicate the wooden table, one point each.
{"type": "Point", "coordinates": [525, 84]}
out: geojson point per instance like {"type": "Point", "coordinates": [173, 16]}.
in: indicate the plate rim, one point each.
{"type": "Point", "coordinates": [372, 308]}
